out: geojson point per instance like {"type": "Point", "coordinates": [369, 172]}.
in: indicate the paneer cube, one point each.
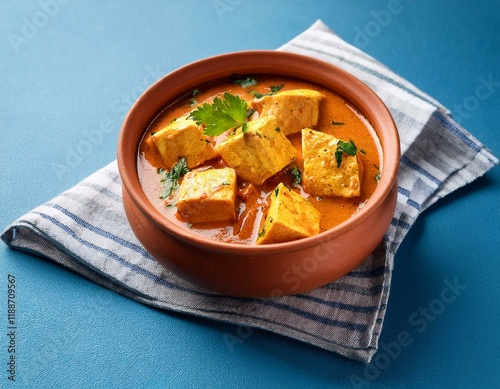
{"type": "Point", "coordinates": [321, 176]}
{"type": "Point", "coordinates": [290, 217]}
{"type": "Point", "coordinates": [259, 153]}
{"type": "Point", "coordinates": [208, 195]}
{"type": "Point", "coordinates": [293, 109]}
{"type": "Point", "coordinates": [183, 138]}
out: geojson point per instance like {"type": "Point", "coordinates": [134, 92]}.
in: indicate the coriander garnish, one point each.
{"type": "Point", "coordinates": [297, 176]}
{"type": "Point", "coordinates": [274, 89]}
{"type": "Point", "coordinates": [379, 174]}
{"type": "Point", "coordinates": [244, 82]}
{"type": "Point", "coordinates": [170, 180]}
{"type": "Point", "coordinates": [221, 115]}
{"type": "Point", "coordinates": [344, 147]}
{"type": "Point", "coordinates": [250, 112]}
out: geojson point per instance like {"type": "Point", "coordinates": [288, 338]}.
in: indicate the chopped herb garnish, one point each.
{"type": "Point", "coordinates": [277, 129]}
{"type": "Point", "coordinates": [170, 180]}
{"type": "Point", "coordinates": [250, 112]}
{"type": "Point", "coordinates": [337, 123]}
{"type": "Point", "coordinates": [195, 92]}
{"type": "Point", "coordinates": [262, 232]}
{"type": "Point", "coordinates": [153, 132]}
{"type": "Point", "coordinates": [379, 174]}
{"type": "Point", "coordinates": [276, 191]}
{"type": "Point", "coordinates": [193, 102]}
{"type": "Point", "coordinates": [274, 89]}
{"type": "Point", "coordinates": [244, 82]}
{"type": "Point", "coordinates": [338, 157]}
{"type": "Point", "coordinates": [348, 147]}
{"type": "Point", "coordinates": [297, 176]}
{"type": "Point", "coordinates": [221, 115]}
{"type": "Point", "coordinates": [344, 147]}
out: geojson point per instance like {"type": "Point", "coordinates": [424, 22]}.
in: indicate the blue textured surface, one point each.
{"type": "Point", "coordinates": [69, 70]}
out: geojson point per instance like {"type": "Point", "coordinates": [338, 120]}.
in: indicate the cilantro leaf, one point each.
{"type": "Point", "coordinates": [244, 82]}
{"type": "Point", "coordinates": [338, 157]}
{"type": "Point", "coordinates": [379, 174]}
{"type": "Point", "coordinates": [221, 115]}
{"type": "Point", "coordinates": [344, 147]}
{"type": "Point", "coordinates": [170, 180]}
{"type": "Point", "coordinates": [274, 89]}
{"type": "Point", "coordinates": [250, 112]}
{"type": "Point", "coordinates": [348, 147]}
{"type": "Point", "coordinates": [296, 174]}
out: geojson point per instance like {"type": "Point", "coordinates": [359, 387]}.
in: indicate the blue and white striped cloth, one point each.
{"type": "Point", "coordinates": [85, 228]}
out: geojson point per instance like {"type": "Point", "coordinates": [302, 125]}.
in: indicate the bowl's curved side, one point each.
{"type": "Point", "coordinates": [263, 275]}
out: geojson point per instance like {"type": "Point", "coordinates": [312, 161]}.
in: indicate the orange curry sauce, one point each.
{"type": "Point", "coordinates": [336, 117]}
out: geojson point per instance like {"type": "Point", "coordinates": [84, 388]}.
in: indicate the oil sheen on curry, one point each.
{"type": "Point", "coordinates": [258, 160]}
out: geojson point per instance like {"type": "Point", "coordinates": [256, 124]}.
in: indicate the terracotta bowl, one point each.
{"type": "Point", "coordinates": [259, 270]}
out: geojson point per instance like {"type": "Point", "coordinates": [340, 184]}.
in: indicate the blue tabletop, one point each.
{"type": "Point", "coordinates": [69, 72]}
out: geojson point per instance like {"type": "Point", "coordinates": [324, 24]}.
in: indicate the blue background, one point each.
{"type": "Point", "coordinates": [68, 73]}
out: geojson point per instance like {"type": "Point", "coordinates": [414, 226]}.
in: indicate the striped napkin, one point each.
{"type": "Point", "coordinates": [85, 228]}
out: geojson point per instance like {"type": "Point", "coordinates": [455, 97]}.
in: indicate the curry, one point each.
{"type": "Point", "coordinates": [259, 159]}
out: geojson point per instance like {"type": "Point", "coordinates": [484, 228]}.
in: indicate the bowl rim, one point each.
{"type": "Point", "coordinates": [258, 62]}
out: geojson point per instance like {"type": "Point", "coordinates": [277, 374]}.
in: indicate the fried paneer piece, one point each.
{"type": "Point", "coordinates": [290, 217]}
{"type": "Point", "coordinates": [259, 153]}
{"type": "Point", "coordinates": [293, 109]}
{"type": "Point", "coordinates": [208, 195]}
{"type": "Point", "coordinates": [183, 138]}
{"type": "Point", "coordinates": [321, 176]}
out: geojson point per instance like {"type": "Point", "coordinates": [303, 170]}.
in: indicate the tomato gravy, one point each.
{"type": "Point", "coordinates": [337, 117]}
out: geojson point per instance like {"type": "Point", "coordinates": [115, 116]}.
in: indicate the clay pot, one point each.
{"type": "Point", "coordinates": [259, 270]}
